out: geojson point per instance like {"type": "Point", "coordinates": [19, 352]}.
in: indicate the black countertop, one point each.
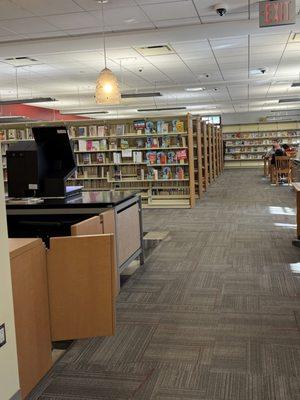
{"type": "Point", "coordinates": [86, 199]}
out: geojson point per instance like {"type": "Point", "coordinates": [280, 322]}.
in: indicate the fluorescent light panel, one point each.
{"type": "Point", "coordinates": [137, 95]}
{"type": "Point", "coordinates": [161, 109]}
{"type": "Point", "coordinates": [82, 112]}
{"type": "Point", "coordinates": [291, 100]}
{"type": "Point", "coordinates": [26, 101]}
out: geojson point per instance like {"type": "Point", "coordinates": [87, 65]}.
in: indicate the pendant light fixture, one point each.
{"type": "Point", "coordinates": [107, 86]}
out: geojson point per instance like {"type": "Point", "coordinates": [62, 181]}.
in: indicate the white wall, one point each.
{"type": "Point", "coordinates": [243, 118]}
{"type": "Point", "coordinates": [9, 379]}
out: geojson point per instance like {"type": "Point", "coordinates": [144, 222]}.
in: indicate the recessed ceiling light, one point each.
{"type": "Point", "coordinates": [130, 20]}
{"type": "Point", "coordinates": [258, 71]}
{"type": "Point", "coordinates": [195, 89]}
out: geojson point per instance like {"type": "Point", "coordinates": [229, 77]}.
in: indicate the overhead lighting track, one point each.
{"type": "Point", "coordinates": [27, 101]}
{"type": "Point", "coordinates": [161, 109]}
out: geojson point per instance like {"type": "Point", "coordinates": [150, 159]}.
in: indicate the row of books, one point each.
{"type": "Point", "coordinates": [151, 174]}
{"type": "Point", "coordinates": [242, 157]}
{"type": "Point", "coordinates": [16, 134]}
{"type": "Point", "coordinates": [233, 150]}
{"type": "Point", "coordinates": [259, 135]}
{"type": "Point", "coordinates": [138, 126]}
{"type": "Point", "coordinates": [149, 142]}
{"type": "Point", "coordinates": [260, 142]}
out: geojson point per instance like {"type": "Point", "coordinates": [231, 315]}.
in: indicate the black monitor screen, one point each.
{"type": "Point", "coordinates": [55, 153]}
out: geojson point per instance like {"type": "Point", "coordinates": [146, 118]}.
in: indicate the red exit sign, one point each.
{"type": "Point", "coordinates": [277, 12]}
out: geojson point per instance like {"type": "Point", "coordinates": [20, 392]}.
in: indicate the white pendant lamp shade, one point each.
{"type": "Point", "coordinates": [107, 88]}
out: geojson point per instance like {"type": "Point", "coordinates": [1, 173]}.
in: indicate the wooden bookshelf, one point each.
{"type": "Point", "coordinates": [156, 159]}
{"type": "Point", "coordinates": [247, 143]}
{"type": "Point", "coordinates": [208, 154]}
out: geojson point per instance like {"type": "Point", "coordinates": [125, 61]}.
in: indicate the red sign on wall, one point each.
{"type": "Point", "coordinates": [277, 12]}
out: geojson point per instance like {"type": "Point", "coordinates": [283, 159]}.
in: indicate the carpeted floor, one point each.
{"type": "Point", "coordinates": [213, 315]}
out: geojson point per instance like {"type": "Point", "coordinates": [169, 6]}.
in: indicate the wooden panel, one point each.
{"type": "Point", "coordinates": [205, 154]}
{"type": "Point", "coordinates": [109, 226]}
{"type": "Point", "coordinates": [210, 157]}
{"type": "Point", "coordinates": [191, 160]}
{"type": "Point", "coordinates": [91, 226]}
{"type": "Point", "coordinates": [31, 308]}
{"type": "Point", "coordinates": [128, 233]}
{"type": "Point", "coordinates": [199, 156]}
{"type": "Point", "coordinates": [81, 286]}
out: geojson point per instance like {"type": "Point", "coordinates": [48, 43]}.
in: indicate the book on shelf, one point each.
{"type": "Point", "coordinates": [12, 134]}
{"type": "Point", "coordinates": [151, 157]}
{"type": "Point", "coordinates": [113, 145]}
{"type": "Point", "coordinates": [101, 130]}
{"type": "Point", "coordinates": [120, 130]}
{"type": "Point", "coordinates": [124, 144]}
{"type": "Point", "coordinates": [72, 131]}
{"type": "Point", "coordinates": [181, 156]}
{"type": "Point", "coordinates": [166, 173]}
{"type": "Point", "coordinates": [82, 131]}
{"type": "Point", "coordinates": [149, 128]}
{"type": "Point", "coordinates": [82, 145]}
{"type": "Point", "coordinates": [179, 174]}
{"type": "Point", "coordinates": [103, 144]}
{"type": "Point", "coordinates": [117, 158]}
{"type": "Point", "coordinates": [86, 158]}
{"type": "Point", "coordinates": [2, 135]}
{"type": "Point", "coordinates": [89, 145]}
{"type": "Point", "coordinates": [93, 131]}
{"type": "Point", "coordinates": [137, 156]}
{"type": "Point", "coordinates": [100, 158]}
{"type": "Point", "coordinates": [161, 158]}
{"type": "Point", "coordinates": [96, 145]}
{"type": "Point", "coordinates": [165, 141]}
{"type": "Point", "coordinates": [140, 143]}
{"type": "Point", "coordinates": [171, 157]}
{"type": "Point", "coordinates": [139, 126]}
{"type": "Point", "coordinates": [159, 126]}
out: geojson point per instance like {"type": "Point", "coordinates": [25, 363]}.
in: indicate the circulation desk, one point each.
{"type": "Point", "coordinates": [55, 218]}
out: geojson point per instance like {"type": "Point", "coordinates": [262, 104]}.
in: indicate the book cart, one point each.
{"type": "Point", "coordinates": [208, 154]}
{"type": "Point", "coordinates": [153, 157]}
{"type": "Point", "coordinates": [245, 144]}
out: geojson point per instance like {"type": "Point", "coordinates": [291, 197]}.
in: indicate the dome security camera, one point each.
{"type": "Point", "coordinates": [220, 9]}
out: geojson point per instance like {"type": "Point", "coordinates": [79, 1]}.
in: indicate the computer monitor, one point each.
{"type": "Point", "coordinates": [56, 161]}
{"type": "Point", "coordinates": [41, 168]}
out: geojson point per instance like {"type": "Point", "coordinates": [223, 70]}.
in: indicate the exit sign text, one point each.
{"type": "Point", "coordinates": [277, 12]}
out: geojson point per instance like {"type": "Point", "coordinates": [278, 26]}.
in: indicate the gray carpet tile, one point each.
{"type": "Point", "coordinates": [213, 315]}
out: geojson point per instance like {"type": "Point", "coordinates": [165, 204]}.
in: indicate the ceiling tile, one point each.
{"type": "Point", "coordinates": [72, 21]}
{"type": "Point", "coordinates": [170, 10]}
{"type": "Point", "coordinates": [46, 7]}
{"type": "Point", "coordinates": [28, 25]}
{"type": "Point", "coordinates": [12, 10]}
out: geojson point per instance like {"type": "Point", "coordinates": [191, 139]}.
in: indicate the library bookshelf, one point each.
{"type": "Point", "coordinates": [245, 144]}
{"type": "Point", "coordinates": [208, 154]}
{"type": "Point", "coordinates": [153, 157]}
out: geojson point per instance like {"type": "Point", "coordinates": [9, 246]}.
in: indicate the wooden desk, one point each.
{"type": "Point", "coordinates": [31, 309]}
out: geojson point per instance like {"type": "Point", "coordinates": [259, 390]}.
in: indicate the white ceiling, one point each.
{"type": "Point", "coordinates": [64, 36]}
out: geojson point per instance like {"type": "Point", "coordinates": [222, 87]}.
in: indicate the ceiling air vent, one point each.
{"type": "Point", "coordinates": [158, 50]}
{"type": "Point", "coordinates": [21, 61]}
{"type": "Point", "coordinates": [138, 95]}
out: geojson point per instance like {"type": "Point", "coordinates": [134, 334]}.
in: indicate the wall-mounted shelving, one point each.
{"type": "Point", "coordinates": [247, 143]}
